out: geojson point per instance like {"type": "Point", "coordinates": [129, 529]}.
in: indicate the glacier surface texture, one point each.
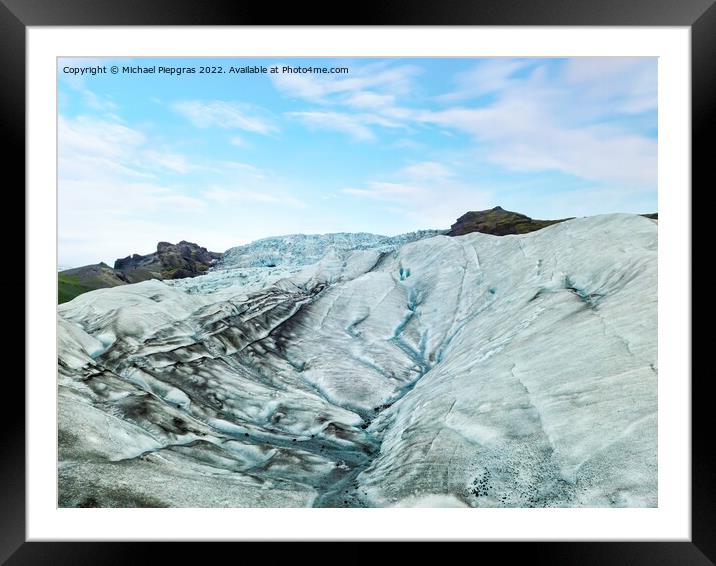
{"type": "Point", "coordinates": [362, 371]}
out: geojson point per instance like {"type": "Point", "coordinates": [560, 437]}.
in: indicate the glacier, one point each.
{"type": "Point", "coordinates": [364, 371]}
{"type": "Point", "coordinates": [265, 261]}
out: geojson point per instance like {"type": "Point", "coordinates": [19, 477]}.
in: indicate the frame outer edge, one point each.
{"type": "Point", "coordinates": [703, 126]}
{"type": "Point", "coordinates": [12, 114]}
{"type": "Point", "coordinates": [12, 125]}
{"type": "Point", "coordinates": [366, 12]}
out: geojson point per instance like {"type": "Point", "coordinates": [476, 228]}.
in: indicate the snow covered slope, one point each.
{"type": "Point", "coordinates": [305, 249]}
{"type": "Point", "coordinates": [477, 371]}
{"type": "Point", "coordinates": [263, 262]}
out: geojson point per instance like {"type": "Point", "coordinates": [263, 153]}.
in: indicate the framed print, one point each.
{"type": "Point", "coordinates": [405, 270]}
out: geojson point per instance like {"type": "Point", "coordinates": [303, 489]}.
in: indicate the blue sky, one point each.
{"type": "Point", "coordinates": [392, 146]}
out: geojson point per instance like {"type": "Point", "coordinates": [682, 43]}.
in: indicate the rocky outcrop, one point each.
{"type": "Point", "coordinates": [170, 261]}
{"type": "Point", "coordinates": [498, 222]}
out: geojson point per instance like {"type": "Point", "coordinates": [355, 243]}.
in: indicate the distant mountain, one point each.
{"type": "Point", "coordinates": [74, 282]}
{"type": "Point", "coordinates": [170, 261]}
{"type": "Point", "coordinates": [498, 222]}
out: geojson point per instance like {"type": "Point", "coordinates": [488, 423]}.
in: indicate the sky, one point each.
{"type": "Point", "coordinates": [390, 146]}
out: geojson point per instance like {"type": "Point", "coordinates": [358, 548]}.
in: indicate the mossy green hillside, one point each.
{"type": "Point", "coordinates": [69, 287]}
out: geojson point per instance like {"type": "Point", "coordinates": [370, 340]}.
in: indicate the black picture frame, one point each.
{"type": "Point", "coordinates": [699, 15]}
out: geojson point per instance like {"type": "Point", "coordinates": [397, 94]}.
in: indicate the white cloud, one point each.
{"type": "Point", "coordinates": [355, 125]}
{"type": "Point", "coordinates": [427, 170]}
{"type": "Point", "coordinates": [370, 100]}
{"type": "Point", "coordinates": [238, 141]}
{"type": "Point", "coordinates": [117, 193]}
{"type": "Point", "coordinates": [328, 89]}
{"type": "Point", "coordinates": [525, 130]}
{"type": "Point", "coordinates": [252, 170]}
{"type": "Point", "coordinates": [90, 98]}
{"type": "Point", "coordinates": [561, 117]}
{"type": "Point", "coordinates": [485, 77]}
{"type": "Point", "coordinates": [587, 201]}
{"type": "Point", "coordinates": [108, 187]}
{"type": "Point", "coordinates": [239, 186]}
{"type": "Point", "coordinates": [395, 192]}
{"type": "Point", "coordinates": [337, 122]}
{"type": "Point", "coordinates": [168, 160]}
{"type": "Point", "coordinates": [98, 148]}
{"type": "Point", "coordinates": [94, 147]}
{"type": "Point", "coordinates": [104, 218]}
{"type": "Point", "coordinates": [224, 195]}
{"type": "Point", "coordinates": [368, 94]}
{"type": "Point", "coordinates": [429, 194]}
{"type": "Point", "coordinates": [114, 199]}
{"type": "Point", "coordinates": [98, 102]}
{"type": "Point", "coordinates": [86, 135]}
{"type": "Point", "coordinates": [229, 115]}
{"type": "Point", "coordinates": [407, 143]}
{"type": "Point", "coordinates": [629, 84]}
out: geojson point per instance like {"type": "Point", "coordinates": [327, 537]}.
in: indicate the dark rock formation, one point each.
{"type": "Point", "coordinates": [170, 261]}
{"type": "Point", "coordinates": [497, 221]}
